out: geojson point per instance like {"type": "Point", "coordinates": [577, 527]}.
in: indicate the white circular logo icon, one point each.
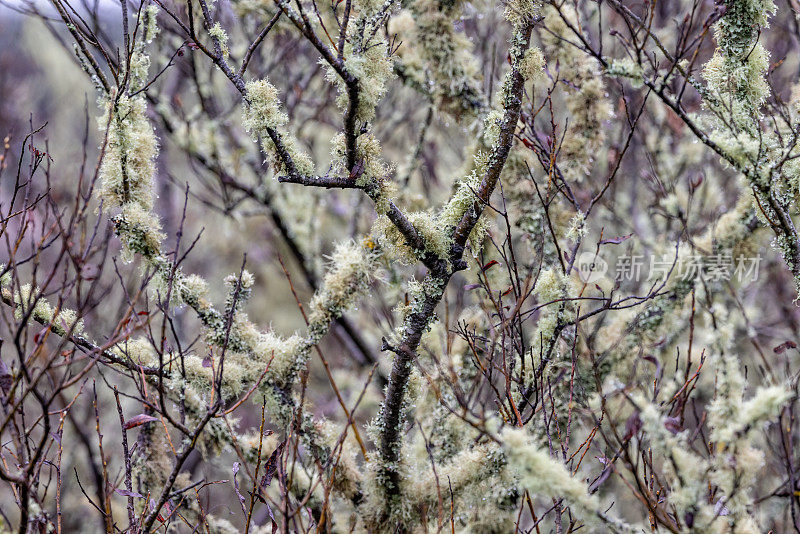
{"type": "Point", "coordinates": [591, 267]}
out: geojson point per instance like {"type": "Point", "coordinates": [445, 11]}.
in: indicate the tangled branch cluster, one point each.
{"type": "Point", "coordinates": [444, 349]}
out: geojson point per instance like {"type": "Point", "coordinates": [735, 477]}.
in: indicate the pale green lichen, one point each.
{"type": "Point", "coordinates": [151, 28]}
{"type": "Point", "coordinates": [552, 290]}
{"type": "Point", "coordinates": [437, 58]}
{"type": "Point", "coordinates": [140, 231]}
{"type": "Point", "coordinates": [741, 77]}
{"type": "Point", "coordinates": [262, 111]}
{"type": "Point", "coordinates": [263, 117]}
{"type": "Point", "coordinates": [350, 271]}
{"type": "Point", "coordinates": [626, 68]}
{"type": "Point", "coordinates": [731, 468]}
{"type": "Point", "coordinates": [194, 289]}
{"type": "Point", "coordinates": [682, 466]}
{"type": "Point", "coordinates": [729, 415]}
{"type": "Point", "coordinates": [373, 172]}
{"type": "Point", "coordinates": [373, 69]}
{"type": "Point", "coordinates": [737, 91]}
{"type": "Point", "coordinates": [584, 92]}
{"type": "Point", "coordinates": [138, 350]}
{"type": "Point", "coordinates": [217, 32]}
{"type": "Point", "coordinates": [736, 72]}
{"type": "Point", "coordinates": [139, 65]}
{"type": "Point", "coordinates": [740, 61]}
{"type": "Point", "coordinates": [532, 65]}
{"type": "Point", "coordinates": [367, 67]}
{"type": "Point", "coordinates": [128, 162]}
{"type": "Point", "coordinates": [5, 279]}
{"type": "Point", "coordinates": [127, 172]}
{"type": "Point", "coordinates": [577, 227]}
{"type": "Point", "coordinates": [29, 300]}
{"type": "Point", "coordinates": [541, 474]}
{"type": "Point", "coordinates": [463, 199]}
{"type": "Point", "coordinates": [427, 226]}
{"type": "Point", "coordinates": [518, 11]}
{"type": "Point", "coordinates": [491, 127]}
{"type": "Point", "coordinates": [401, 23]}
{"type": "Point", "coordinates": [139, 61]}
{"type": "Point", "coordinates": [280, 351]}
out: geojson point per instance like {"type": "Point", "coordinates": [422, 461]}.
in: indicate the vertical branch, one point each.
{"type": "Point", "coordinates": [416, 324]}
{"type": "Point", "coordinates": [127, 459]}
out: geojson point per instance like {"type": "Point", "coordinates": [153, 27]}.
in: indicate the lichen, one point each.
{"type": "Point", "coordinates": [372, 171]}
{"type": "Point", "coordinates": [427, 226]}
{"type": "Point", "coordinates": [262, 111]}
{"type": "Point", "coordinates": [217, 32]}
{"type": "Point", "coordinates": [348, 275]}
{"type": "Point", "coordinates": [584, 93]}
{"type": "Point", "coordinates": [626, 68]}
{"type": "Point", "coordinates": [436, 57]}
{"type": "Point", "coordinates": [263, 118]}
{"type": "Point", "coordinates": [128, 163]}
{"type": "Point", "coordinates": [541, 474]}
{"type": "Point", "coordinates": [532, 64]}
